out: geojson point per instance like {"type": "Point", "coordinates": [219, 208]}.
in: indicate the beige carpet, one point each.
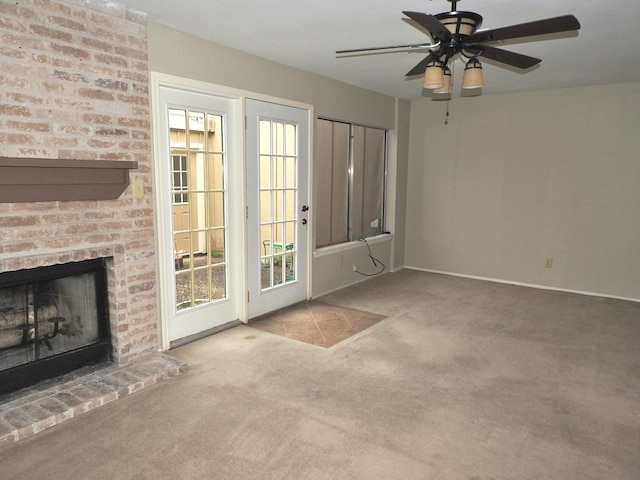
{"type": "Point", "coordinates": [317, 323]}
{"type": "Point", "coordinates": [464, 380]}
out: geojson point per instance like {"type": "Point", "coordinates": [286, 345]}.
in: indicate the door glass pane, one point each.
{"type": "Point", "coordinates": [290, 204]}
{"type": "Point", "coordinates": [266, 276]}
{"type": "Point", "coordinates": [289, 234]}
{"type": "Point", "coordinates": [289, 268]}
{"type": "Point", "coordinates": [278, 215]}
{"type": "Point", "coordinates": [289, 237]}
{"type": "Point", "coordinates": [198, 207]}
{"type": "Point", "coordinates": [197, 213]}
{"type": "Point", "coordinates": [290, 172]}
{"type": "Point", "coordinates": [278, 209]}
{"type": "Point", "coordinates": [279, 172]}
{"type": "Point", "coordinates": [265, 171]}
{"type": "Point", "coordinates": [266, 214]}
{"type": "Point", "coordinates": [216, 171]}
{"type": "Point", "coordinates": [219, 282]}
{"type": "Point", "coordinates": [217, 246]}
{"type": "Point", "coordinates": [200, 284]}
{"type": "Point", "coordinates": [183, 290]}
{"type": "Point", "coordinates": [291, 144]}
{"type": "Point", "coordinates": [266, 242]}
{"type": "Point", "coordinates": [264, 144]}
{"type": "Point", "coordinates": [277, 140]}
{"type": "Point", "coordinates": [216, 209]}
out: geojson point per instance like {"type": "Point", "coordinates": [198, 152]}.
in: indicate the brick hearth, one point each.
{"type": "Point", "coordinates": [32, 410]}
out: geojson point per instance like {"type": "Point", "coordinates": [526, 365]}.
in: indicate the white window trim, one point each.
{"type": "Point", "coordinates": [351, 245]}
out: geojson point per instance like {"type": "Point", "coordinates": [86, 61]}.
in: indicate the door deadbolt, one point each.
{"type": "Point", "coordinates": [305, 208]}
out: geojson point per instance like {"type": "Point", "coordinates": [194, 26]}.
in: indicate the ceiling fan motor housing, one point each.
{"type": "Point", "coordinates": [460, 25]}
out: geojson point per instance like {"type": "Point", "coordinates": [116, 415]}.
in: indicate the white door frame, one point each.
{"type": "Point", "coordinates": [238, 228]}
{"type": "Point", "coordinates": [264, 301]}
{"type": "Point", "coordinates": [160, 84]}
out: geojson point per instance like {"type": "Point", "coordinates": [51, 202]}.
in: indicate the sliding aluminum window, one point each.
{"type": "Point", "coordinates": [349, 181]}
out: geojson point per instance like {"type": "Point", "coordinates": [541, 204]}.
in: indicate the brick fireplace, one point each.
{"type": "Point", "coordinates": [74, 86]}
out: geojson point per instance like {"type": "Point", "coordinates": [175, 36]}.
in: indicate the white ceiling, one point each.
{"type": "Point", "coordinates": [305, 34]}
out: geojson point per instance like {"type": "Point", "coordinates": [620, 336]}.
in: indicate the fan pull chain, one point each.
{"type": "Point", "coordinates": [453, 70]}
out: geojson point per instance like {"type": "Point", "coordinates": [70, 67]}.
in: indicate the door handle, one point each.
{"type": "Point", "coordinates": [304, 221]}
{"type": "Point", "coordinates": [305, 208]}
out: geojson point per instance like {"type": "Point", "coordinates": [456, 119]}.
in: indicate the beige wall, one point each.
{"type": "Point", "coordinates": [516, 178]}
{"type": "Point", "coordinates": [397, 180]}
{"type": "Point", "coordinates": [511, 180]}
{"type": "Point", "coordinates": [179, 54]}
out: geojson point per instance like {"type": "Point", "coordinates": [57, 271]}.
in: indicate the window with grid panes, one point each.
{"type": "Point", "coordinates": [180, 179]}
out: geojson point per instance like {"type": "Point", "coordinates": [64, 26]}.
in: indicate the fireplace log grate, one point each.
{"type": "Point", "coordinates": [52, 320]}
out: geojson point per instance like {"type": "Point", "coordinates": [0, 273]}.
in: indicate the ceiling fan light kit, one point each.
{"type": "Point", "coordinates": [472, 77]}
{"type": "Point", "coordinates": [447, 84]}
{"type": "Point", "coordinates": [456, 34]}
{"type": "Point", "coordinates": [433, 75]}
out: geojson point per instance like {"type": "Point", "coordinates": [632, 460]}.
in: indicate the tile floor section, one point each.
{"type": "Point", "coordinates": [32, 410]}
{"type": "Point", "coordinates": [317, 323]}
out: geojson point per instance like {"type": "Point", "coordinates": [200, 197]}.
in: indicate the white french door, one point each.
{"type": "Point", "coordinates": [277, 152]}
{"type": "Point", "coordinates": [198, 192]}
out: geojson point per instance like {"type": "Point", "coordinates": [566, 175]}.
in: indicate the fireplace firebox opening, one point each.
{"type": "Point", "coordinates": [53, 320]}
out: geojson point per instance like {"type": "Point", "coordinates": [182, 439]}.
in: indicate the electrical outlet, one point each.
{"type": "Point", "coordinates": [138, 189]}
{"type": "Point", "coordinates": [548, 262]}
{"type": "Point", "coordinates": [354, 268]}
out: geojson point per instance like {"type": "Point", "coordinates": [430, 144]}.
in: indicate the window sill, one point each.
{"type": "Point", "coordinates": [342, 247]}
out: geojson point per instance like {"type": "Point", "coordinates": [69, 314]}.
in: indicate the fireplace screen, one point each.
{"type": "Point", "coordinates": [52, 320]}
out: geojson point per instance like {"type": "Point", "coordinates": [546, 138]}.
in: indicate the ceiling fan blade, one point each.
{"type": "Point", "coordinates": [431, 23]}
{"type": "Point", "coordinates": [503, 56]}
{"type": "Point", "coordinates": [420, 67]}
{"type": "Point", "coordinates": [564, 23]}
{"type": "Point", "coordinates": [372, 50]}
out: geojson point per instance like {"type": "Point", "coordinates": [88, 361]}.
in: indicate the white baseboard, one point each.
{"type": "Point", "coordinates": [355, 282]}
{"type": "Point", "coordinates": [523, 284]}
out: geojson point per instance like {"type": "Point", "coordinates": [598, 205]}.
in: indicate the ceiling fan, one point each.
{"type": "Point", "coordinates": [456, 33]}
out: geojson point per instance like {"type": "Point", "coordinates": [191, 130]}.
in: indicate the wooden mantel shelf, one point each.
{"type": "Point", "coordinates": [51, 179]}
